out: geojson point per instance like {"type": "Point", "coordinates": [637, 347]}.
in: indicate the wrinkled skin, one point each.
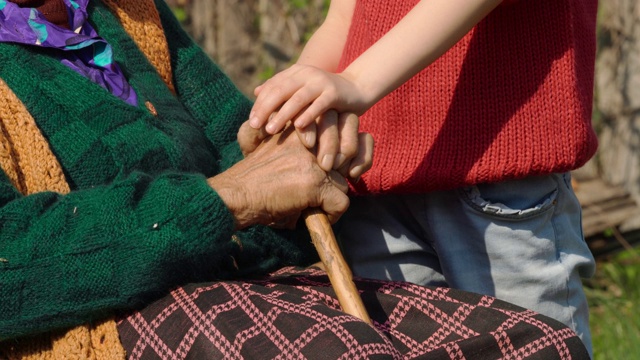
{"type": "Point", "coordinates": [280, 177]}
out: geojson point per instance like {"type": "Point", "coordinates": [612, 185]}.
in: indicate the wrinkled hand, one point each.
{"type": "Point", "coordinates": [301, 94]}
{"type": "Point", "coordinates": [276, 181]}
{"type": "Point", "coordinates": [340, 145]}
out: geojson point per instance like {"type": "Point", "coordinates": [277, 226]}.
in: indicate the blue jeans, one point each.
{"type": "Point", "coordinates": [520, 241]}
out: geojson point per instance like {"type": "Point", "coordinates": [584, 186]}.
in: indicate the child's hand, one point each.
{"type": "Point", "coordinates": [301, 94]}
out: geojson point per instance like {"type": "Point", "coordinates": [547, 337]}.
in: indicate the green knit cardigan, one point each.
{"type": "Point", "coordinates": [140, 218]}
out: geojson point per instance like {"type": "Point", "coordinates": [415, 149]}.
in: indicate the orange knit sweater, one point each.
{"type": "Point", "coordinates": [512, 99]}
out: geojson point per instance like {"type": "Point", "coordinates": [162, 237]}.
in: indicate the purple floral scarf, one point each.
{"type": "Point", "coordinates": [81, 48]}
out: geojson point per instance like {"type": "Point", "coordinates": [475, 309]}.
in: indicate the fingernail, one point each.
{"type": "Point", "coordinates": [339, 160]}
{"type": "Point", "coordinates": [254, 121]}
{"type": "Point", "coordinates": [356, 170]}
{"type": "Point", "coordinates": [309, 139]}
{"type": "Point", "coordinates": [271, 128]}
{"type": "Point", "coordinates": [327, 162]}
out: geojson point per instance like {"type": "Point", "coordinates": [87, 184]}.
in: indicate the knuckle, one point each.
{"type": "Point", "coordinates": [272, 90]}
{"type": "Point", "coordinates": [298, 100]}
{"type": "Point", "coordinates": [320, 105]}
{"type": "Point", "coordinates": [349, 152]}
{"type": "Point", "coordinates": [276, 91]}
{"type": "Point", "coordinates": [351, 119]}
{"type": "Point", "coordinates": [330, 93]}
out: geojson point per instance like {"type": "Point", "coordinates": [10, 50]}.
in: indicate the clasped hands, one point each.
{"type": "Point", "coordinates": [280, 177]}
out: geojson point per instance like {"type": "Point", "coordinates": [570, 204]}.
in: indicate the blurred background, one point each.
{"type": "Point", "coordinates": [253, 39]}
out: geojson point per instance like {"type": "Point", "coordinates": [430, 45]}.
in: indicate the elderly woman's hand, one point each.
{"type": "Point", "coordinates": [279, 178]}
{"type": "Point", "coordinates": [340, 146]}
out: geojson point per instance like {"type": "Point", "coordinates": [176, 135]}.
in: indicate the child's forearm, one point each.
{"type": "Point", "coordinates": [423, 35]}
{"type": "Point", "coordinates": [324, 48]}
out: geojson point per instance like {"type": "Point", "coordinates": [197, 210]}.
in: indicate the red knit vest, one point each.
{"type": "Point", "coordinates": [512, 99]}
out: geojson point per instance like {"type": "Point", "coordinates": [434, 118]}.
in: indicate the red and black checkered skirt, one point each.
{"type": "Point", "coordinates": [294, 314]}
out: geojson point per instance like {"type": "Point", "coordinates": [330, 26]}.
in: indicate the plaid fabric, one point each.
{"type": "Point", "coordinates": [294, 314]}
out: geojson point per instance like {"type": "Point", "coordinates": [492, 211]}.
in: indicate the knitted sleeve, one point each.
{"type": "Point", "coordinates": [69, 259]}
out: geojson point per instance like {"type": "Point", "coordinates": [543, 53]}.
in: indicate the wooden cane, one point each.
{"type": "Point", "coordinates": [339, 273]}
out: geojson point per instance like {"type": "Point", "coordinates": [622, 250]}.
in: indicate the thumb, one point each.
{"type": "Point", "coordinates": [249, 138]}
{"type": "Point", "coordinates": [334, 200]}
